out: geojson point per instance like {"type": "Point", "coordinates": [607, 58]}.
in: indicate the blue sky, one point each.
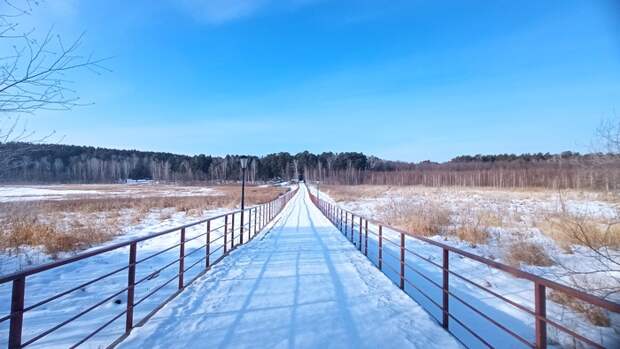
{"type": "Point", "coordinates": [408, 80]}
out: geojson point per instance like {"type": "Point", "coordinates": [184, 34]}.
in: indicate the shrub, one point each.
{"type": "Point", "coordinates": [28, 231]}
{"type": "Point", "coordinates": [419, 218]}
{"type": "Point", "coordinates": [529, 253]}
{"type": "Point", "coordinates": [594, 314]}
{"type": "Point", "coordinates": [353, 192]}
{"type": "Point", "coordinates": [472, 233]}
{"type": "Point", "coordinates": [569, 229]}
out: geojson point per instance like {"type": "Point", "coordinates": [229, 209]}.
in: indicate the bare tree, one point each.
{"type": "Point", "coordinates": [34, 70]}
{"type": "Point", "coordinates": [608, 133]}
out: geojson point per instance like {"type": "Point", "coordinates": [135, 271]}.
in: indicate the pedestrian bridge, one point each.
{"type": "Point", "coordinates": [301, 284]}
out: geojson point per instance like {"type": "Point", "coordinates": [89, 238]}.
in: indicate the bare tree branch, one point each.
{"type": "Point", "coordinates": [34, 73]}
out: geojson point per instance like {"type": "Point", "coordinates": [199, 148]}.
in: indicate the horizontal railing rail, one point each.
{"type": "Point", "coordinates": [356, 228]}
{"type": "Point", "coordinates": [234, 231]}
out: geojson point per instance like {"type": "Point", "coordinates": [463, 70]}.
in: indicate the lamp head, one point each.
{"type": "Point", "coordinates": [244, 162]}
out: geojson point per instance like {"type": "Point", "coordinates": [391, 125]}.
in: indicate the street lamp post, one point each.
{"type": "Point", "coordinates": [244, 165]}
{"type": "Point", "coordinates": [318, 188]}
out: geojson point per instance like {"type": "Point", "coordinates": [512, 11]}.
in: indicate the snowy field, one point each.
{"type": "Point", "coordinates": [49, 222]}
{"type": "Point", "coordinates": [517, 222]}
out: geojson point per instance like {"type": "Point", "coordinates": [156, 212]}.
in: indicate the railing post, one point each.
{"type": "Point", "coordinates": [345, 224]}
{"type": "Point", "coordinates": [380, 247]}
{"type": "Point", "coordinates": [182, 259]}
{"type": "Point", "coordinates": [225, 234]}
{"type": "Point", "coordinates": [255, 220]}
{"type": "Point", "coordinates": [241, 227]}
{"type": "Point", "coordinates": [341, 220]}
{"type": "Point", "coordinates": [540, 300]}
{"type": "Point", "coordinates": [131, 284]}
{"type": "Point", "coordinates": [331, 212]}
{"type": "Point", "coordinates": [17, 313]}
{"type": "Point", "coordinates": [366, 238]}
{"type": "Point", "coordinates": [352, 226]}
{"type": "Point", "coordinates": [446, 288]}
{"type": "Point", "coordinates": [208, 246]}
{"type": "Point", "coordinates": [339, 215]}
{"type": "Point", "coordinates": [360, 231]}
{"type": "Point", "coordinates": [402, 261]}
{"type": "Point", "coordinates": [232, 232]}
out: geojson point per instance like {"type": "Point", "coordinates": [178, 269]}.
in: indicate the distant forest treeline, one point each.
{"type": "Point", "coordinates": [53, 163]}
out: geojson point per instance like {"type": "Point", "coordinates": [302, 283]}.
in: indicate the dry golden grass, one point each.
{"type": "Point", "coordinates": [569, 229]}
{"type": "Point", "coordinates": [354, 192]}
{"type": "Point", "coordinates": [594, 314]}
{"type": "Point", "coordinates": [529, 253]}
{"type": "Point", "coordinates": [474, 234]}
{"type": "Point", "coordinates": [52, 236]}
{"type": "Point", "coordinates": [253, 194]}
{"type": "Point", "coordinates": [75, 224]}
{"type": "Point", "coordinates": [474, 225]}
{"type": "Point", "coordinates": [426, 219]}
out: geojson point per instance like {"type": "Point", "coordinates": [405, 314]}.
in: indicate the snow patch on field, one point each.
{"type": "Point", "coordinates": [63, 192]}
{"type": "Point", "coordinates": [9, 194]}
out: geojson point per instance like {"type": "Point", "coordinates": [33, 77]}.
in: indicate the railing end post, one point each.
{"type": "Point", "coordinates": [182, 259]}
{"type": "Point", "coordinates": [380, 247]}
{"type": "Point", "coordinates": [131, 285]}
{"type": "Point", "coordinates": [402, 261]}
{"type": "Point", "coordinates": [540, 301]}
{"type": "Point", "coordinates": [446, 288]}
{"type": "Point", "coordinates": [208, 245]}
{"type": "Point", "coordinates": [17, 312]}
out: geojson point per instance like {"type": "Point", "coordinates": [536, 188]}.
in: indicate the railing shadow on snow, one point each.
{"type": "Point", "coordinates": [464, 307]}
{"type": "Point", "coordinates": [221, 234]}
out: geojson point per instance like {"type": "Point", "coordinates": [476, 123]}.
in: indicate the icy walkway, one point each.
{"type": "Point", "coordinates": [300, 285]}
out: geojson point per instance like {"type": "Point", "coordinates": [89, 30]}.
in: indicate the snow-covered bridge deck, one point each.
{"type": "Point", "coordinates": [300, 284]}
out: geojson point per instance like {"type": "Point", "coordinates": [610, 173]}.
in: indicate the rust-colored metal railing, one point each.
{"type": "Point", "coordinates": [351, 224]}
{"type": "Point", "coordinates": [258, 217]}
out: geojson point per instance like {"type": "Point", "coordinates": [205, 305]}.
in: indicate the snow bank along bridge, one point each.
{"type": "Point", "coordinates": [298, 283]}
